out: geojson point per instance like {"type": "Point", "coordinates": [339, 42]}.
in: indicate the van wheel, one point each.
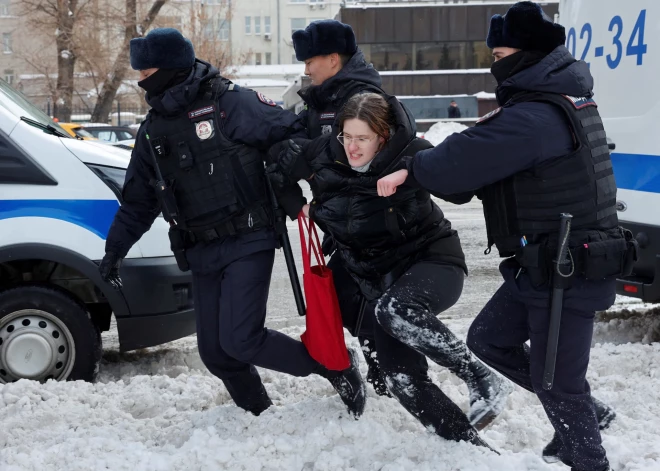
{"type": "Point", "coordinates": [46, 334]}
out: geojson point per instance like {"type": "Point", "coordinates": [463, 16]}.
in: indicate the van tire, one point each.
{"type": "Point", "coordinates": [51, 321]}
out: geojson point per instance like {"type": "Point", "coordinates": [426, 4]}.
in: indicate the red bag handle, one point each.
{"type": "Point", "coordinates": [311, 244]}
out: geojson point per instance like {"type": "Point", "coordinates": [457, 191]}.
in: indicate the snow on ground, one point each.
{"type": "Point", "coordinates": [159, 409]}
{"type": "Point", "coordinates": [441, 131]}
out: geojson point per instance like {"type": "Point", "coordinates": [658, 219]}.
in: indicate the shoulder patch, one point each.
{"type": "Point", "coordinates": [580, 102]}
{"type": "Point", "coordinates": [489, 116]}
{"type": "Point", "coordinates": [201, 111]}
{"type": "Point", "coordinates": [264, 99]}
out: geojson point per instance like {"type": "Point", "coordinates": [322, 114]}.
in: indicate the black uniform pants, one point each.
{"type": "Point", "coordinates": [518, 313]}
{"type": "Point", "coordinates": [230, 296]}
{"type": "Point", "coordinates": [403, 326]}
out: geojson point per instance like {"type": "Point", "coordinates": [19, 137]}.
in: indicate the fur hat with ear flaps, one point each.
{"type": "Point", "coordinates": [162, 48]}
{"type": "Point", "coordinates": [525, 26]}
{"type": "Point", "coordinates": [324, 37]}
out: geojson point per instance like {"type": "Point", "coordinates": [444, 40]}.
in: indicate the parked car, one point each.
{"type": "Point", "coordinates": [76, 130]}
{"type": "Point", "coordinates": [58, 198]}
{"type": "Point", "coordinates": [111, 133]}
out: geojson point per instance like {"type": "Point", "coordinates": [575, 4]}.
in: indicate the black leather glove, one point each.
{"type": "Point", "coordinates": [293, 163]}
{"type": "Point", "coordinates": [109, 269]}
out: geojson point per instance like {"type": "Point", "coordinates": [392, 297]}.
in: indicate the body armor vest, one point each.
{"type": "Point", "coordinates": [580, 183]}
{"type": "Point", "coordinates": [320, 122]}
{"type": "Point", "coordinates": [213, 178]}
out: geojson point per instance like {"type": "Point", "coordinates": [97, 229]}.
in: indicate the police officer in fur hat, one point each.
{"type": "Point", "coordinates": [199, 158]}
{"type": "Point", "coordinates": [542, 153]}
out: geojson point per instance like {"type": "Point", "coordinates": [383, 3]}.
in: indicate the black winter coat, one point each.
{"type": "Point", "coordinates": [377, 238]}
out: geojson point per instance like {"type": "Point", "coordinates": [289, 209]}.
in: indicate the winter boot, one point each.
{"type": "Point", "coordinates": [488, 393]}
{"type": "Point", "coordinates": [374, 373]}
{"type": "Point", "coordinates": [478, 441]}
{"type": "Point", "coordinates": [348, 383]}
{"type": "Point", "coordinates": [605, 415]}
{"type": "Point", "coordinates": [249, 394]}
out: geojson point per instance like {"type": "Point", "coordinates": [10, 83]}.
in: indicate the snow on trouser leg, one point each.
{"type": "Point", "coordinates": [405, 314]}
{"type": "Point", "coordinates": [374, 372]}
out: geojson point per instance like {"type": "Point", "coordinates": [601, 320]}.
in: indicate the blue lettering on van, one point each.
{"type": "Point", "coordinates": [635, 46]}
{"type": "Point", "coordinates": [94, 215]}
{"type": "Point", "coordinates": [637, 172]}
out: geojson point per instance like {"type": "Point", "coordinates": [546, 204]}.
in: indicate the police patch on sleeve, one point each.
{"type": "Point", "coordinates": [265, 100]}
{"type": "Point", "coordinates": [580, 101]}
{"type": "Point", "coordinates": [489, 116]}
{"type": "Point", "coordinates": [204, 129]}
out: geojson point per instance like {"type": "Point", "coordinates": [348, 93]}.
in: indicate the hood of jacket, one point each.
{"type": "Point", "coordinates": [559, 72]}
{"type": "Point", "coordinates": [178, 98]}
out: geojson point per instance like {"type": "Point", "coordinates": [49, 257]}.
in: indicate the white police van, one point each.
{"type": "Point", "coordinates": [58, 197]}
{"type": "Point", "coordinates": [621, 42]}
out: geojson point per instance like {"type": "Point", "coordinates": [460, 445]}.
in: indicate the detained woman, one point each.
{"type": "Point", "coordinates": [398, 263]}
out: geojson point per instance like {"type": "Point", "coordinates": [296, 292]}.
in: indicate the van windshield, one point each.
{"type": "Point", "coordinates": [16, 103]}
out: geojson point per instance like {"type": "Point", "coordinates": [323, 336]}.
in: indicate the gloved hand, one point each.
{"type": "Point", "coordinates": [293, 163]}
{"type": "Point", "coordinates": [109, 269]}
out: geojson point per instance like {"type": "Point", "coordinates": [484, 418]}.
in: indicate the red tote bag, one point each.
{"type": "Point", "coordinates": [324, 336]}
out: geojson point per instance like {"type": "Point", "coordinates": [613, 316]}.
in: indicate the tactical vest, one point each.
{"type": "Point", "coordinates": [580, 183]}
{"type": "Point", "coordinates": [214, 180]}
{"type": "Point", "coordinates": [320, 122]}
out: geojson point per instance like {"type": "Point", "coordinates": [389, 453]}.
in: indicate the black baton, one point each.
{"type": "Point", "coordinates": [562, 269]}
{"type": "Point", "coordinates": [280, 228]}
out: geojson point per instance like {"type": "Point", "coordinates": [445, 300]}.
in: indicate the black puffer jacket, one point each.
{"type": "Point", "coordinates": [378, 238]}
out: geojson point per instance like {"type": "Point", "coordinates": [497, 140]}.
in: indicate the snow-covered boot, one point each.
{"type": "Point", "coordinates": [478, 441]}
{"type": "Point", "coordinates": [605, 415]}
{"type": "Point", "coordinates": [488, 393]}
{"type": "Point", "coordinates": [374, 373]}
{"type": "Point", "coordinates": [348, 383]}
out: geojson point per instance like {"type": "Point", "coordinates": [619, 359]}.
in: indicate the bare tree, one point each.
{"type": "Point", "coordinates": [132, 29]}
{"type": "Point", "coordinates": [59, 17]}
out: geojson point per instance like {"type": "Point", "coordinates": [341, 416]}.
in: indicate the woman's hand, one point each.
{"type": "Point", "coordinates": [387, 185]}
{"type": "Point", "coordinates": [305, 210]}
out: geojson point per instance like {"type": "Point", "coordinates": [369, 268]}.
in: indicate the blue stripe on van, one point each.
{"type": "Point", "coordinates": [637, 172]}
{"type": "Point", "coordinates": [94, 215]}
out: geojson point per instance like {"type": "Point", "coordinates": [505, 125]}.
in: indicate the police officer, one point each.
{"type": "Point", "coordinates": [338, 70]}
{"type": "Point", "coordinates": [542, 153]}
{"type": "Point", "coordinates": [198, 157]}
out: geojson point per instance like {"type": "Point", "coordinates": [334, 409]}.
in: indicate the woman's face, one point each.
{"type": "Point", "coordinates": [361, 143]}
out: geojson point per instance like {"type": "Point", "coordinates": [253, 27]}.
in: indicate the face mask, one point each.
{"type": "Point", "coordinates": [158, 82]}
{"type": "Point", "coordinates": [502, 68]}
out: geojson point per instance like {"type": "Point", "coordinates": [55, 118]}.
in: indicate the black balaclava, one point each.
{"type": "Point", "coordinates": [158, 82]}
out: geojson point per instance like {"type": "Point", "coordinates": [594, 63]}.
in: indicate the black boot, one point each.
{"type": "Point", "coordinates": [248, 393]}
{"type": "Point", "coordinates": [478, 441]}
{"type": "Point", "coordinates": [374, 373]}
{"type": "Point", "coordinates": [605, 415]}
{"type": "Point", "coordinates": [488, 393]}
{"type": "Point", "coordinates": [348, 384]}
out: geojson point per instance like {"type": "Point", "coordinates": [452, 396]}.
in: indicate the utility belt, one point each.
{"type": "Point", "coordinates": [247, 221]}
{"type": "Point", "coordinates": [593, 260]}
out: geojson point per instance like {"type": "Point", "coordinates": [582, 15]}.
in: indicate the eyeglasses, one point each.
{"type": "Point", "coordinates": [358, 141]}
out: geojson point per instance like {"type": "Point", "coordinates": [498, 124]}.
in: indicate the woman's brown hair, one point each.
{"type": "Point", "coordinates": [370, 108]}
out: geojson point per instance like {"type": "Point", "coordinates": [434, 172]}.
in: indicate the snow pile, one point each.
{"type": "Point", "coordinates": [442, 130]}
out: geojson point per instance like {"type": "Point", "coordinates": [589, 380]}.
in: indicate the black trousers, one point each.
{"type": "Point", "coordinates": [230, 286]}
{"type": "Point", "coordinates": [518, 313]}
{"type": "Point", "coordinates": [403, 326]}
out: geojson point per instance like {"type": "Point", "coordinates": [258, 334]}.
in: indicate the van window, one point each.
{"type": "Point", "coordinates": [19, 106]}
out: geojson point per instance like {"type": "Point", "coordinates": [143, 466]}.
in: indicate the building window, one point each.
{"type": "Point", "coordinates": [248, 25]}
{"type": "Point", "coordinates": [223, 30]}
{"type": "Point", "coordinates": [9, 76]}
{"type": "Point", "coordinates": [298, 23]}
{"type": "Point", "coordinates": [268, 58]}
{"type": "Point", "coordinates": [267, 24]}
{"type": "Point", "coordinates": [257, 25]}
{"type": "Point", "coordinates": [6, 43]}
{"type": "Point", "coordinates": [297, 1]}
{"type": "Point", "coordinates": [4, 7]}
{"type": "Point", "coordinates": [257, 58]}
{"type": "Point", "coordinates": [392, 56]}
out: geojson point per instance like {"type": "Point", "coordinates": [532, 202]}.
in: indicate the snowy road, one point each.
{"type": "Point", "coordinates": [158, 409]}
